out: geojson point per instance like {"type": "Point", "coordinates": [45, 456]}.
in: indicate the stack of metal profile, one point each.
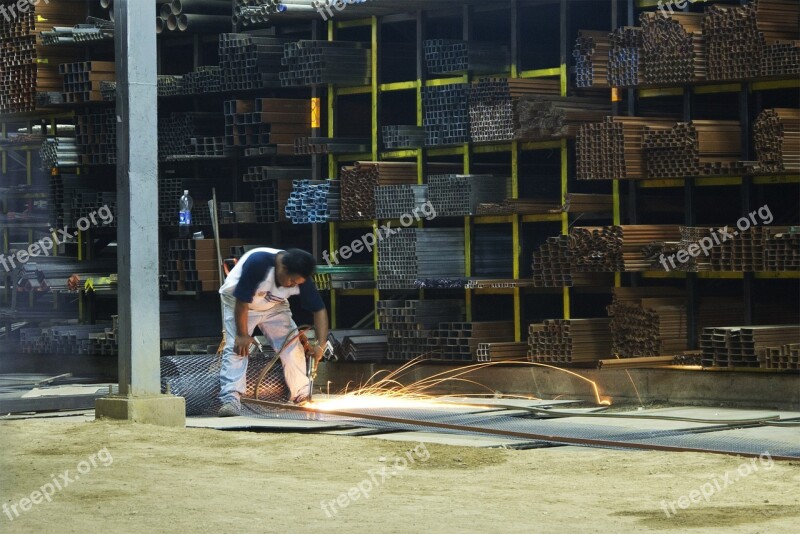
{"type": "Point", "coordinates": [747, 346]}
{"type": "Point", "coordinates": [313, 201]}
{"type": "Point", "coordinates": [548, 117]}
{"type": "Point", "coordinates": [508, 351]}
{"type": "Point", "coordinates": [446, 56]}
{"type": "Point", "coordinates": [80, 33]}
{"type": "Point", "coordinates": [492, 252]}
{"type": "Point", "coordinates": [409, 323]}
{"type": "Point", "coordinates": [169, 193]}
{"type": "Point", "coordinates": [176, 131]}
{"type": "Point", "coordinates": [273, 123]}
{"type": "Point", "coordinates": [591, 55]}
{"type": "Point", "coordinates": [647, 322]}
{"type": "Point", "coordinates": [776, 135]}
{"type": "Point", "coordinates": [360, 181]}
{"type": "Point", "coordinates": [673, 48]}
{"type": "Point", "coordinates": [70, 339]}
{"type": "Point", "coordinates": [446, 119]}
{"type": "Point", "coordinates": [399, 136]}
{"type": "Point", "coordinates": [569, 341]}
{"type": "Point", "coordinates": [307, 146]}
{"type": "Point", "coordinates": [271, 189]}
{"type": "Point", "coordinates": [625, 57]}
{"type": "Point", "coordinates": [735, 48]}
{"type": "Point", "coordinates": [203, 80]}
{"type": "Point", "coordinates": [457, 195]}
{"type": "Point", "coordinates": [394, 201]}
{"type": "Point", "coordinates": [205, 147]}
{"type": "Point", "coordinates": [697, 148]}
{"type": "Point", "coordinates": [194, 16]}
{"type": "Point", "coordinates": [618, 248]}
{"type": "Point", "coordinates": [249, 61]}
{"type": "Point", "coordinates": [59, 152]}
{"type": "Point", "coordinates": [459, 342]}
{"type": "Point", "coordinates": [552, 263]}
{"type": "Point", "coordinates": [170, 85]}
{"type": "Point", "coordinates": [365, 348]}
{"type": "Point", "coordinates": [326, 62]}
{"type": "Point", "coordinates": [96, 137]}
{"type": "Point", "coordinates": [108, 91]}
{"type": "Point", "coordinates": [87, 204]}
{"type": "Point", "coordinates": [782, 251]}
{"type": "Point", "coordinates": [82, 80]}
{"type": "Point", "coordinates": [785, 356]}
{"type": "Point", "coordinates": [412, 253]}
{"type": "Point", "coordinates": [335, 276]}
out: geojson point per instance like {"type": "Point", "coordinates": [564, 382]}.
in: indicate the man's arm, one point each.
{"type": "Point", "coordinates": [243, 337]}
{"type": "Point", "coordinates": [321, 328]}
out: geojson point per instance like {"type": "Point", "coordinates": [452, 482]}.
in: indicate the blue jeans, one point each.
{"type": "Point", "coordinates": [276, 325]}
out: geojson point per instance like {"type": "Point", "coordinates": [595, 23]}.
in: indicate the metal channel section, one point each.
{"type": "Point", "coordinates": [591, 435]}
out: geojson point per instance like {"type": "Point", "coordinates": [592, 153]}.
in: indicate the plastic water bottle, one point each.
{"type": "Point", "coordinates": [186, 203]}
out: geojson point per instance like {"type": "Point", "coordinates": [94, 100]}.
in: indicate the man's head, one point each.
{"type": "Point", "coordinates": [296, 267]}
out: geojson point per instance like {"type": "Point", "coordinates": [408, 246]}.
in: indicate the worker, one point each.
{"type": "Point", "coordinates": [254, 294]}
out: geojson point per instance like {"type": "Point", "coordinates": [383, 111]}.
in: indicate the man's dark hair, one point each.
{"type": "Point", "coordinates": [299, 262]}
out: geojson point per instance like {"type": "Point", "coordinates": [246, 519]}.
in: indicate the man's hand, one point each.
{"type": "Point", "coordinates": [319, 352]}
{"type": "Point", "coordinates": [242, 345]}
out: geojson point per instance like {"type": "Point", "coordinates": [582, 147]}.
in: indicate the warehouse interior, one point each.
{"type": "Point", "coordinates": [559, 237]}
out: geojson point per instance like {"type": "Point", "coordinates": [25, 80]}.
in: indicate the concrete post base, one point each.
{"type": "Point", "coordinates": [162, 410]}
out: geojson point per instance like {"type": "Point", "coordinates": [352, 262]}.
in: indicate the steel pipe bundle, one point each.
{"type": "Point", "coordinates": [501, 352]}
{"type": "Point", "coordinates": [313, 201]}
{"type": "Point", "coordinates": [552, 263]}
{"type": "Point", "coordinates": [279, 123]}
{"type": "Point", "coordinates": [647, 325]}
{"type": "Point", "coordinates": [617, 248]}
{"type": "Point", "coordinates": [446, 120]}
{"type": "Point", "coordinates": [746, 346]}
{"type": "Point", "coordinates": [409, 323]}
{"type": "Point", "coordinates": [60, 152]}
{"type": "Point", "coordinates": [759, 249]}
{"type": "Point", "coordinates": [394, 201]}
{"type": "Point", "coordinates": [776, 135]}
{"type": "Point", "coordinates": [203, 80]}
{"type": "Point", "coordinates": [177, 131]}
{"type": "Point", "coordinates": [360, 181]}
{"type": "Point", "coordinates": [249, 61]}
{"type": "Point", "coordinates": [395, 137]}
{"type": "Point", "coordinates": [458, 195]}
{"type": "Point", "coordinates": [624, 62]}
{"type": "Point", "coordinates": [445, 56]}
{"type": "Point", "coordinates": [492, 252]}
{"type": "Point", "coordinates": [569, 341]}
{"type": "Point", "coordinates": [413, 253]}
{"type": "Point", "coordinates": [697, 148]}
{"type": "Point", "coordinates": [614, 148]}
{"type": "Point", "coordinates": [591, 53]}
{"type": "Point", "coordinates": [170, 85]}
{"type": "Point", "coordinates": [673, 48]}
{"type": "Point", "coordinates": [305, 146]}
{"type": "Point", "coordinates": [511, 206]}
{"type": "Point", "coordinates": [735, 46]}
{"type": "Point", "coordinates": [544, 117]}
{"type": "Point", "coordinates": [80, 33]}
{"type": "Point", "coordinates": [459, 342]}
{"type": "Point", "coordinates": [170, 191]}
{"type": "Point", "coordinates": [82, 81]}
{"type": "Point", "coordinates": [96, 137]}
{"type": "Point", "coordinates": [326, 62]}
{"type": "Point", "coordinates": [192, 263]}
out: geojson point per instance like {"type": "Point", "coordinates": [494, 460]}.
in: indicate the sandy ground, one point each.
{"type": "Point", "coordinates": [140, 478]}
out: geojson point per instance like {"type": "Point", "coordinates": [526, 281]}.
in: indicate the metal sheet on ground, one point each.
{"type": "Point", "coordinates": [458, 440]}
{"type": "Point", "coordinates": [245, 422]}
{"type": "Point", "coordinates": [58, 391]}
{"type": "Point", "coordinates": [519, 403]}
{"type": "Point", "coordinates": [703, 412]}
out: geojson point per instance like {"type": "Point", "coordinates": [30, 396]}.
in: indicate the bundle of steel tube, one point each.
{"type": "Point", "coordinates": [501, 352]}
{"type": "Point", "coordinates": [27, 66]}
{"type": "Point", "coordinates": [98, 339]}
{"type": "Point", "coordinates": [780, 357]}
{"type": "Point", "coordinates": [250, 61]}
{"type": "Point", "coordinates": [96, 137]}
{"type": "Point", "coordinates": [353, 276]}
{"type": "Point", "coordinates": [108, 91]}
{"type": "Point", "coordinates": [170, 85]}
{"type": "Point", "coordinates": [697, 148]}
{"type": "Point", "coordinates": [193, 16]}
{"type": "Point", "coordinates": [492, 252]}
{"type": "Point", "coordinates": [412, 253]}
{"type": "Point", "coordinates": [457, 195]}
{"type": "Point", "coordinates": [203, 80]}
{"type": "Point", "coordinates": [360, 181]}
{"type": "Point", "coordinates": [545, 117]}
{"type": "Point", "coordinates": [779, 23]}
{"type": "Point", "coordinates": [60, 152]}
{"type": "Point", "coordinates": [80, 33]}
{"type": "Point", "coordinates": [326, 62]}
{"type": "Point", "coordinates": [409, 323]}
{"type": "Point", "coordinates": [647, 322]}
{"type": "Point", "coordinates": [275, 122]}
{"type": "Point", "coordinates": [591, 53]}
{"type": "Point", "coordinates": [82, 80]}
{"type": "Point", "coordinates": [400, 136]}
{"type": "Point", "coordinates": [614, 148]}
{"type": "Point", "coordinates": [552, 263]}
{"type": "Point", "coordinates": [746, 346]}
{"type": "Point", "coordinates": [673, 48]}
{"type": "Point", "coordinates": [177, 130]}
{"type": "Point", "coordinates": [569, 341]}
{"type": "Point", "coordinates": [394, 201]}
{"type": "Point", "coordinates": [735, 47]}
{"type": "Point", "coordinates": [306, 146]}
{"type": "Point", "coordinates": [313, 201]}
{"type": "Point", "coordinates": [625, 57]}
{"type": "Point", "coordinates": [446, 56]}
{"type": "Point", "coordinates": [192, 263]}
{"type": "Point", "coordinates": [518, 206]}
{"type": "Point", "coordinates": [446, 118]}
{"type": "Point", "coordinates": [459, 342]}
{"type": "Point", "coordinates": [617, 248]}
{"type": "Point", "coordinates": [169, 192]}
{"type": "Point", "coordinates": [776, 134]}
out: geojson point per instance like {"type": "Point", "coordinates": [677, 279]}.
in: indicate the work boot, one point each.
{"type": "Point", "coordinates": [229, 409]}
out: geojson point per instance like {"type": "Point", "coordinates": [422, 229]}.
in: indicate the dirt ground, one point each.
{"type": "Point", "coordinates": [140, 478]}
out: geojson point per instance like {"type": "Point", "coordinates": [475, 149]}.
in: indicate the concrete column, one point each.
{"type": "Point", "coordinates": [137, 224]}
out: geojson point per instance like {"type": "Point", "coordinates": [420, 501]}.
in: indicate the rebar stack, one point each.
{"type": "Point", "coordinates": [614, 149]}
{"type": "Point", "coordinates": [313, 201]}
{"type": "Point", "coordinates": [697, 148]}
{"type": "Point", "coordinates": [359, 183]}
{"type": "Point", "coordinates": [457, 195]}
{"type": "Point", "coordinates": [394, 201]}
{"type": "Point", "coordinates": [400, 136]}
{"type": "Point", "coordinates": [413, 253]}
{"type": "Point", "coordinates": [445, 56]}
{"type": "Point", "coordinates": [625, 57]}
{"type": "Point", "coordinates": [96, 137]}
{"type": "Point", "coordinates": [673, 48]}
{"type": "Point", "coordinates": [446, 119]}
{"type": "Point", "coordinates": [747, 346]}
{"type": "Point", "coordinates": [326, 62]}
{"type": "Point", "coordinates": [776, 134]}
{"type": "Point", "coordinates": [591, 54]}
{"type": "Point", "coordinates": [276, 123]}
{"type": "Point", "coordinates": [249, 61]}
{"type": "Point", "coordinates": [409, 323]}
{"type": "Point", "coordinates": [646, 326]}
{"type": "Point", "coordinates": [569, 341]}
{"type": "Point", "coordinates": [459, 342]}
